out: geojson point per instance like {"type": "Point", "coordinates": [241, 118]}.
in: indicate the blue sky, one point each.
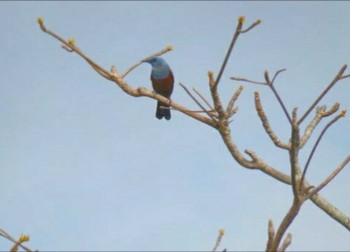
{"type": "Point", "coordinates": [86, 167]}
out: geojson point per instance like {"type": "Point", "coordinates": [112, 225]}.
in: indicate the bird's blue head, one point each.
{"type": "Point", "coordinates": [160, 69]}
{"type": "Point", "coordinates": [156, 62]}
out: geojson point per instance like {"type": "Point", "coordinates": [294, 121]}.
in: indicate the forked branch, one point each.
{"type": "Point", "coordinates": [340, 75]}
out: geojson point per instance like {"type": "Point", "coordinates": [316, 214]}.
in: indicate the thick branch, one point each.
{"type": "Point", "coordinates": [288, 219]}
{"type": "Point", "coordinates": [331, 210]}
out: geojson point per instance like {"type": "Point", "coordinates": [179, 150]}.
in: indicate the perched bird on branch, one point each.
{"type": "Point", "coordinates": [163, 83]}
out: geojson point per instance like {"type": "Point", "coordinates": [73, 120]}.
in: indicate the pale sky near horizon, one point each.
{"type": "Point", "coordinates": [86, 167]}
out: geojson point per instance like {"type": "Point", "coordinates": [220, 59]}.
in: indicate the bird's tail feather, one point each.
{"type": "Point", "coordinates": [163, 112]}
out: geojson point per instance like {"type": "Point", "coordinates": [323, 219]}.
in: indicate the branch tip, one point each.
{"type": "Point", "coordinates": [169, 48]}
{"type": "Point", "coordinates": [24, 238]}
{"type": "Point", "coordinates": [40, 21]}
{"type": "Point", "coordinates": [241, 19]}
{"type": "Point", "coordinates": [267, 78]}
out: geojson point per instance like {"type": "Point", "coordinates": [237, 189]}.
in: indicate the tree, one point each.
{"type": "Point", "coordinates": [218, 116]}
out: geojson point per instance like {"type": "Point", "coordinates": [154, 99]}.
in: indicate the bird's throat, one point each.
{"type": "Point", "coordinates": [160, 72]}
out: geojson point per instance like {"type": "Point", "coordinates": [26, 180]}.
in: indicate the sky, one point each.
{"type": "Point", "coordinates": [86, 167]}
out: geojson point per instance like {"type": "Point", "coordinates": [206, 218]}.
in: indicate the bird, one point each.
{"type": "Point", "coordinates": [162, 79]}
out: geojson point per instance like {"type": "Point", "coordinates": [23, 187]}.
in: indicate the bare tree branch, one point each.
{"type": "Point", "coordinates": [165, 50]}
{"type": "Point", "coordinates": [249, 81]}
{"type": "Point", "coordinates": [340, 115]}
{"type": "Point", "coordinates": [270, 84]}
{"type": "Point", "coordinates": [259, 109]}
{"type": "Point", "coordinates": [286, 243]}
{"type": "Point", "coordinates": [197, 102]}
{"type": "Point", "coordinates": [293, 155]}
{"type": "Point", "coordinates": [330, 210]}
{"type": "Point", "coordinates": [330, 177]}
{"type": "Point", "coordinates": [16, 243]}
{"type": "Point", "coordinates": [270, 235]}
{"type": "Point", "coordinates": [320, 114]}
{"type": "Point", "coordinates": [338, 77]}
{"type": "Point", "coordinates": [218, 239]}
{"type": "Point", "coordinates": [203, 98]}
{"type": "Point", "coordinates": [287, 220]}
{"type": "Point", "coordinates": [222, 125]}
{"type": "Point", "coordinates": [231, 103]}
{"type": "Point", "coordinates": [233, 42]}
{"type": "Point", "coordinates": [135, 92]}
{"type": "Point", "coordinates": [276, 74]}
{"type": "Point", "coordinates": [216, 97]}
{"type": "Point", "coordinates": [252, 26]}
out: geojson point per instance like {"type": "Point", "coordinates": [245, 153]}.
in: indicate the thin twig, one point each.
{"type": "Point", "coordinates": [270, 84]}
{"type": "Point", "coordinates": [338, 77]}
{"type": "Point", "coordinates": [252, 26]}
{"type": "Point", "coordinates": [277, 73]}
{"type": "Point", "coordinates": [161, 52]}
{"type": "Point", "coordinates": [218, 239]}
{"type": "Point", "coordinates": [190, 110]}
{"type": "Point", "coordinates": [345, 76]}
{"type": "Point", "coordinates": [249, 81]}
{"type": "Point", "coordinates": [197, 102]}
{"type": "Point", "coordinates": [330, 177]}
{"type": "Point", "coordinates": [340, 115]}
{"type": "Point", "coordinates": [203, 98]}
{"type": "Point", "coordinates": [74, 48]}
{"type": "Point", "coordinates": [228, 54]}
{"type": "Point", "coordinates": [16, 243]}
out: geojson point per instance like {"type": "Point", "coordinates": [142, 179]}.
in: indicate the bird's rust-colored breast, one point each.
{"type": "Point", "coordinates": [164, 86]}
